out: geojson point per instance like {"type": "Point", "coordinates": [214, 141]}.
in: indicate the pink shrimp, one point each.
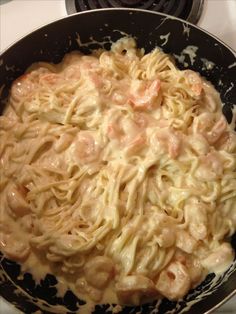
{"type": "Point", "coordinates": [205, 125]}
{"type": "Point", "coordinates": [71, 58]}
{"type": "Point", "coordinates": [89, 63]}
{"type": "Point", "coordinates": [210, 167]}
{"type": "Point", "coordinates": [96, 79]}
{"type": "Point", "coordinates": [16, 199]}
{"type": "Point", "coordinates": [185, 241]}
{"type": "Point", "coordinates": [174, 281]}
{"type": "Point", "coordinates": [13, 247]}
{"type": "Point", "coordinates": [85, 147]}
{"type": "Point", "coordinates": [227, 141]}
{"type": "Point", "coordinates": [193, 266]}
{"type": "Point", "coordinates": [217, 130]}
{"type": "Point", "coordinates": [51, 78]}
{"type": "Point", "coordinates": [130, 289]}
{"type": "Point", "coordinates": [71, 66]}
{"type": "Point", "coordinates": [144, 120]}
{"type": "Point", "coordinates": [128, 133]}
{"type": "Point", "coordinates": [114, 130]}
{"type": "Point", "coordinates": [195, 82]}
{"type": "Point", "coordinates": [135, 144]}
{"type": "Point", "coordinates": [169, 140]}
{"type": "Point", "coordinates": [22, 87]}
{"type": "Point", "coordinates": [146, 95]}
{"type": "Point", "coordinates": [219, 259]}
{"type": "Point", "coordinates": [72, 72]}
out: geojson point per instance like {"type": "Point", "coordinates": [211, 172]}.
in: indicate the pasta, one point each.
{"type": "Point", "coordinates": [118, 174]}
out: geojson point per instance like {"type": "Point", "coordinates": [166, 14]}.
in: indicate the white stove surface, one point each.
{"type": "Point", "coordinates": [20, 17]}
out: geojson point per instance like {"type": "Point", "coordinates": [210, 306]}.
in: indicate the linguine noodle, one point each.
{"type": "Point", "coordinates": [118, 173]}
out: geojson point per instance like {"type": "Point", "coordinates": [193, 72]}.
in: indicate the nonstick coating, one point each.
{"type": "Point", "coordinates": [212, 58]}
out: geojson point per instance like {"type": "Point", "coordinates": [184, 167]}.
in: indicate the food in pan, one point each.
{"type": "Point", "coordinates": [117, 175]}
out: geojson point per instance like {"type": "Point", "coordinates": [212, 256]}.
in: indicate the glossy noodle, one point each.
{"type": "Point", "coordinates": [117, 175]}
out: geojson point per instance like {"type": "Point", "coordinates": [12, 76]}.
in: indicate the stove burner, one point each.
{"type": "Point", "coordinates": [189, 10]}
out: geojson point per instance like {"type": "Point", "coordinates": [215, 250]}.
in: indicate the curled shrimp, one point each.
{"type": "Point", "coordinates": [220, 259]}
{"type": "Point", "coordinates": [83, 287]}
{"type": "Point", "coordinates": [199, 144]}
{"type": "Point", "coordinates": [210, 168]}
{"type": "Point", "coordinates": [168, 140]}
{"type": "Point", "coordinates": [146, 95]}
{"type": "Point", "coordinates": [51, 78]}
{"type": "Point", "coordinates": [85, 148]}
{"type": "Point", "coordinates": [7, 123]}
{"type": "Point", "coordinates": [16, 199]}
{"type": "Point", "coordinates": [14, 248]}
{"type": "Point", "coordinates": [174, 281]}
{"type": "Point", "coordinates": [185, 241]}
{"type": "Point", "coordinates": [22, 87]}
{"type": "Point", "coordinates": [128, 134]}
{"type": "Point", "coordinates": [227, 141]}
{"type": "Point", "coordinates": [193, 266]}
{"type": "Point", "coordinates": [194, 81]}
{"type": "Point", "coordinates": [130, 289]}
{"type": "Point", "coordinates": [217, 130]}
{"type": "Point", "coordinates": [71, 66]}
{"type": "Point", "coordinates": [195, 212]}
{"type": "Point", "coordinates": [205, 124]}
{"type": "Point", "coordinates": [166, 237]}
{"type": "Point", "coordinates": [135, 144]}
{"type": "Point", "coordinates": [89, 63]}
{"type": "Point", "coordinates": [99, 271]}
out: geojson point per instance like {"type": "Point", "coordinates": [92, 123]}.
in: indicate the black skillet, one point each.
{"type": "Point", "coordinates": [214, 60]}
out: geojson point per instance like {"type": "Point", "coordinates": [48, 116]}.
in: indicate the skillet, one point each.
{"type": "Point", "coordinates": [191, 47]}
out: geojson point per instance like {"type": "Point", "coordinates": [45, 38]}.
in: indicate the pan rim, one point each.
{"type": "Point", "coordinates": [167, 16]}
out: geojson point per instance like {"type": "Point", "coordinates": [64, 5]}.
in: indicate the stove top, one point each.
{"type": "Point", "coordinates": [189, 10]}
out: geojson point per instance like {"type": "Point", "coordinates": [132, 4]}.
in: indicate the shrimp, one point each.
{"type": "Point", "coordinates": [196, 213]}
{"type": "Point", "coordinates": [205, 124]}
{"type": "Point", "coordinates": [71, 65]}
{"type": "Point", "coordinates": [143, 120]}
{"type": "Point", "coordinates": [194, 81]}
{"type": "Point", "coordinates": [174, 281]}
{"type": "Point", "coordinates": [22, 87]}
{"type": "Point", "coordinates": [199, 144]}
{"type": "Point", "coordinates": [217, 130]}
{"type": "Point", "coordinates": [99, 271]}
{"type": "Point", "coordinates": [27, 223]}
{"type": "Point", "coordinates": [7, 123]}
{"type": "Point", "coordinates": [89, 63]}
{"type": "Point", "coordinates": [220, 259]}
{"type": "Point", "coordinates": [14, 248]}
{"type": "Point", "coordinates": [51, 78]}
{"type": "Point", "coordinates": [185, 241]}
{"type": "Point", "coordinates": [227, 141]}
{"type": "Point", "coordinates": [114, 131]}
{"type": "Point", "coordinates": [136, 144]}
{"type": "Point", "coordinates": [128, 133]}
{"type": "Point", "coordinates": [193, 266]}
{"type": "Point", "coordinates": [85, 147]}
{"type": "Point", "coordinates": [167, 237]}
{"type": "Point", "coordinates": [210, 168]}
{"type": "Point", "coordinates": [146, 95]}
{"type": "Point", "coordinates": [71, 58]}
{"type": "Point", "coordinates": [131, 288]}
{"type": "Point", "coordinates": [16, 199]}
{"type": "Point", "coordinates": [72, 72]}
{"type": "Point", "coordinates": [169, 140]}
{"type": "Point", "coordinates": [83, 287]}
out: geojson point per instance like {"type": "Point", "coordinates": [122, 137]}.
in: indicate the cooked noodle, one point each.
{"type": "Point", "coordinates": [118, 171]}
